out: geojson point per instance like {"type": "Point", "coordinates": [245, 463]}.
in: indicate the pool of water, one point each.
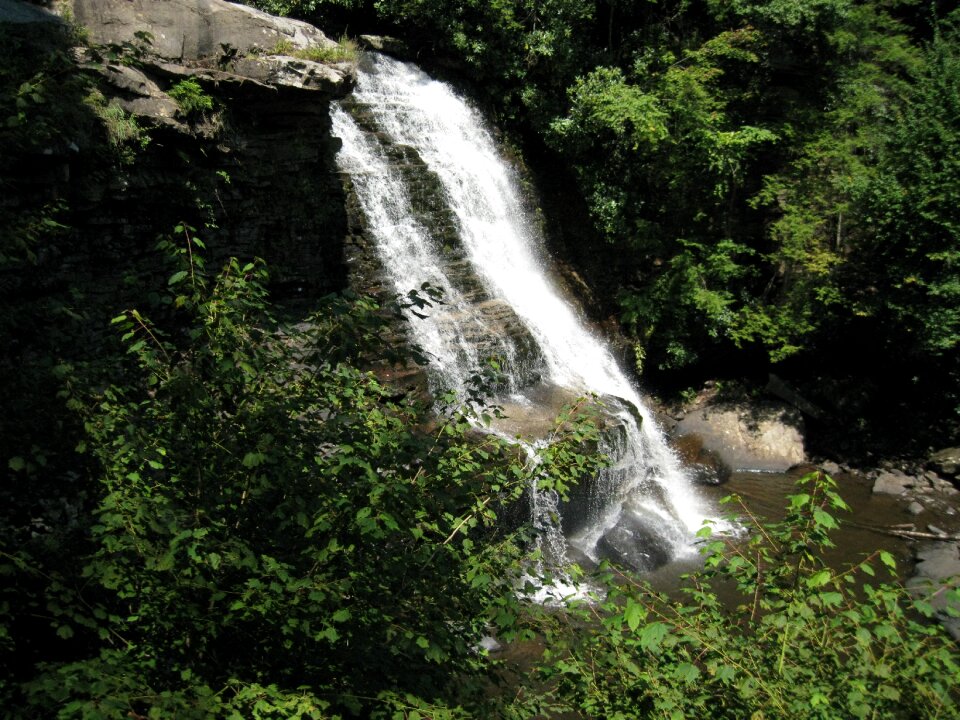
{"type": "Point", "coordinates": [863, 530]}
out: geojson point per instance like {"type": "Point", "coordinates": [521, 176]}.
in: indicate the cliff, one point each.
{"type": "Point", "coordinates": [201, 112]}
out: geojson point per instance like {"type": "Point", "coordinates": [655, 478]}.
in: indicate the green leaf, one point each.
{"type": "Point", "coordinates": [687, 672]}
{"type": "Point", "coordinates": [177, 277]}
{"type": "Point", "coordinates": [253, 459]}
{"type": "Point", "coordinates": [823, 518]}
{"type": "Point", "coordinates": [818, 579]}
{"type": "Point", "coordinates": [633, 614]}
{"type": "Point", "coordinates": [17, 463]}
{"type": "Point", "coordinates": [652, 635]}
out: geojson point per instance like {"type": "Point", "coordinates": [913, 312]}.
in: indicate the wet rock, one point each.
{"type": "Point", "coordinates": [893, 482]}
{"type": "Point", "coordinates": [706, 466]}
{"type": "Point", "coordinates": [936, 530]}
{"type": "Point", "coordinates": [764, 437]}
{"type": "Point", "coordinates": [830, 468]}
{"type": "Point", "coordinates": [386, 44]}
{"type": "Point", "coordinates": [936, 564]}
{"type": "Point", "coordinates": [634, 544]}
{"type": "Point", "coordinates": [915, 508]}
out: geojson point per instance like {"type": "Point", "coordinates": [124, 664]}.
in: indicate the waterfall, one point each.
{"type": "Point", "coordinates": [481, 246]}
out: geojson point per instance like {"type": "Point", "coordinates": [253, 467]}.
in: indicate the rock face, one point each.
{"type": "Point", "coordinates": [760, 438]}
{"type": "Point", "coordinates": [254, 173]}
{"type": "Point", "coordinates": [192, 30]}
{"type": "Point", "coordinates": [14, 11]}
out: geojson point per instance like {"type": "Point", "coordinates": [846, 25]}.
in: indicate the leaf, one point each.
{"type": "Point", "coordinates": [830, 599]}
{"type": "Point", "coordinates": [823, 518]}
{"type": "Point", "coordinates": [652, 635]}
{"type": "Point", "coordinates": [177, 277]}
{"type": "Point", "coordinates": [818, 579]}
{"type": "Point", "coordinates": [633, 614]}
{"type": "Point", "coordinates": [253, 459]}
{"type": "Point", "coordinates": [888, 560]}
{"type": "Point", "coordinates": [17, 463]}
{"type": "Point", "coordinates": [687, 672]}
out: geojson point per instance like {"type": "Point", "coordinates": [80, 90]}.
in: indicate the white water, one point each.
{"type": "Point", "coordinates": [505, 250]}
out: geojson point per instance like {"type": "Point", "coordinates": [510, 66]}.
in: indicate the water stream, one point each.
{"type": "Point", "coordinates": [408, 139]}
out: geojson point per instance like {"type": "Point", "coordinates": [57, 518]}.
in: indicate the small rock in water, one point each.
{"type": "Point", "coordinates": [915, 508]}
{"type": "Point", "coordinates": [830, 468]}
{"type": "Point", "coordinates": [935, 530]}
{"type": "Point", "coordinates": [893, 483]}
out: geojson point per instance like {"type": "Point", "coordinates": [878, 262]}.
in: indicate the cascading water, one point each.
{"type": "Point", "coordinates": [498, 299]}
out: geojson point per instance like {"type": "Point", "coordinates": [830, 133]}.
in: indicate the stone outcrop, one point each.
{"type": "Point", "coordinates": [764, 437]}
{"type": "Point", "coordinates": [388, 45]}
{"type": "Point", "coordinates": [254, 174]}
{"type": "Point", "coordinates": [16, 12]}
{"type": "Point", "coordinates": [192, 31]}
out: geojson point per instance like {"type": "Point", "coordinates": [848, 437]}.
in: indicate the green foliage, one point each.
{"type": "Point", "coordinates": [801, 639]}
{"type": "Point", "coordinates": [124, 134]}
{"type": "Point", "coordinates": [522, 53]}
{"type": "Point", "coordinates": [345, 50]}
{"type": "Point", "coordinates": [193, 101]}
{"type": "Point", "coordinates": [912, 259]}
{"type": "Point", "coordinates": [301, 8]}
{"type": "Point", "coordinates": [673, 160]}
{"type": "Point", "coordinates": [270, 524]}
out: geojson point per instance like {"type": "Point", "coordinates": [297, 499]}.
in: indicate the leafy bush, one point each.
{"type": "Point", "coordinates": [801, 640]}
{"type": "Point", "coordinates": [191, 98]}
{"type": "Point", "coordinates": [273, 536]}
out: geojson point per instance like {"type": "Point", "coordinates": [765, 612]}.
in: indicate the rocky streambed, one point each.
{"type": "Point", "coordinates": [756, 450]}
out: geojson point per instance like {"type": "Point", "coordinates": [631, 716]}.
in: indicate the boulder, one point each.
{"type": "Point", "coordinates": [745, 437]}
{"type": "Point", "coordinates": [385, 44]}
{"type": "Point", "coordinates": [217, 42]}
{"type": "Point", "coordinates": [706, 466]}
{"type": "Point", "coordinates": [946, 462]}
{"type": "Point", "coordinates": [893, 482]}
{"type": "Point", "coordinates": [830, 468]}
{"type": "Point", "coordinates": [936, 564]}
{"type": "Point", "coordinates": [190, 30]}
{"type": "Point", "coordinates": [141, 96]}
{"type": "Point", "coordinates": [634, 544]}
